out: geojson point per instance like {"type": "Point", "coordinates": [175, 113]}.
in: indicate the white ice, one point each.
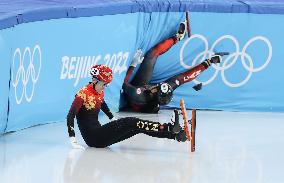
{"type": "Point", "coordinates": [231, 147]}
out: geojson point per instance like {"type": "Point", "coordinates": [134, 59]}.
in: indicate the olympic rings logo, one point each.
{"type": "Point", "coordinates": [233, 57]}
{"type": "Point", "coordinates": [25, 74]}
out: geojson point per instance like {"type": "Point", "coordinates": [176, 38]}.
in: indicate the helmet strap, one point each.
{"type": "Point", "coordinates": [94, 81]}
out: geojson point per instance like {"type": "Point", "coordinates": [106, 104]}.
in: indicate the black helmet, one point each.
{"type": "Point", "coordinates": [165, 93]}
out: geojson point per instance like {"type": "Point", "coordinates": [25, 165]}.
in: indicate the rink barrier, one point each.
{"type": "Point", "coordinates": [13, 12]}
{"type": "Point", "coordinates": [44, 63]}
{"type": "Point", "coordinates": [4, 84]}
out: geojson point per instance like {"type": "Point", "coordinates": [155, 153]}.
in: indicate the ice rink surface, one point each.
{"type": "Point", "coordinates": [231, 147]}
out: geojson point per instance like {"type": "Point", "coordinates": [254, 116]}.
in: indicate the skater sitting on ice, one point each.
{"type": "Point", "coordinates": [90, 100]}
{"type": "Point", "coordinates": [143, 96]}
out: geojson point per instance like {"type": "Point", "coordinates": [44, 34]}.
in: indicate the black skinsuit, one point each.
{"type": "Point", "coordinates": [140, 94]}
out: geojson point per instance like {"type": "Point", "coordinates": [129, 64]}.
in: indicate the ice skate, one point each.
{"type": "Point", "coordinates": [189, 132]}
{"type": "Point", "coordinates": [217, 57]}
{"type": "Point", "coordinates": [181, 31]}
{"type": "Point", "coordinates": [181, 136]}
{"type": "Point", "coordinates": [175, 119]}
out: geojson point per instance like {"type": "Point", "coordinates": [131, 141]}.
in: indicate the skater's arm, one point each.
{"type": "Point", "coordinates": [128, 74]}
{"type": "Point", "coordinates": [127, 87]}
{"type": "Point", "coordinates": [75, 107]}
{"type": "Point", "coordinates": [106, 110]}
{"type": "Point", "coordinates": [137, 59]}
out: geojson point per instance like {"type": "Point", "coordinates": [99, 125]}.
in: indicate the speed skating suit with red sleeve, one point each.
{"type": "Point", "coordinates": [143, 96]}
{"type": "Point", "coordinates": [86, 107]}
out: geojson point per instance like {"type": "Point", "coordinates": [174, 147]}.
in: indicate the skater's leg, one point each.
{"type": "Point", "coordinates": [124, 128]}
{"type": "Point", "coordinates": [145, 71]}
{"type": "Point", "coordinates": [187, 76]}
{"type": "Point", "coordinates": [192, 73]}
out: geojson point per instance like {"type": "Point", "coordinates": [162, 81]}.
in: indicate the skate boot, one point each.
{"type": "Point", "coordinates": [181, 136]}
{"type": "Point", "coordinates": [214, 59]}
{"type": "Point", "coordinates": [176, 128]}
{"type": "Point", "coordinates": [181, 31]}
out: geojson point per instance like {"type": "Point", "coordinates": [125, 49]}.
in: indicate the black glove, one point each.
{"type": "Point", "coordinates": [197, 87]}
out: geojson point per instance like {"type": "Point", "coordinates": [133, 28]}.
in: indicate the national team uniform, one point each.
{"type": "Point", "coordinates": [86, 107]}
{"type": "Point", "coordinates": [143, 96]}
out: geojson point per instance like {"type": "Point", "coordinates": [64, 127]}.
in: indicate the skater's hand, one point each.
{"type": "Point", "coordinates": [75, 144]}
{"type": "Point", "coordinates": [137, 59]}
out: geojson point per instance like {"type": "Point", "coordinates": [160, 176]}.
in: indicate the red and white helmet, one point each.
{"type": "Point", "coordinates": [102, 73]}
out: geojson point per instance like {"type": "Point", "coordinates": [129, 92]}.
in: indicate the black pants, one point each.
{"type": "Point", "coordinates": [124, 128]}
